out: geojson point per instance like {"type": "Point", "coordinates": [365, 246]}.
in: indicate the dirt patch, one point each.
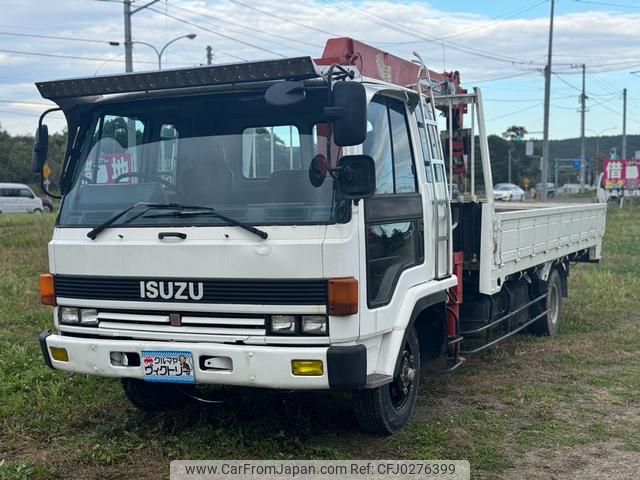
{"type": "Point", "coordinates": [587, 462]}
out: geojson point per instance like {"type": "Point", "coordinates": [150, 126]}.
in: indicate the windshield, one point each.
{"type": "Point", "coordinates": [234, 153]}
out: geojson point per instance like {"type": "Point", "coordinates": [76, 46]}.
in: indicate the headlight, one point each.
{"type": "Point", "coordinates": [314, 324]}
{"type": "Point", "coordinates": [283, 324]}
{"type": "Point", "coordinates": [88, 316]}
{"type": "Point", "coordinates": [68, 315]}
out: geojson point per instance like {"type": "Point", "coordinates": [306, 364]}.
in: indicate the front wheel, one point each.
{"type": "Point", "coordinates": [549, 324]}
{"type": "Point", "coordinates": [152, 397]}
{"type": "Point", "coordinates": [386, 409]}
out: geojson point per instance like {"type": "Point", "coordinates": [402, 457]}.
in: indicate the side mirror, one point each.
{"type": "Point", "coordinates": [356, 177]}
{"type": "Point", "coordinates": [40, 148]}
{"type": "Point", "coordinates": [348, 113]}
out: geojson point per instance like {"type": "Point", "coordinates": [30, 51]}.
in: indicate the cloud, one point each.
{"type": "Point", "coordinates": [481, 48]}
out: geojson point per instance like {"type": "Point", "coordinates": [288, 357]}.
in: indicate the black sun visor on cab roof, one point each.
{"type": "Point", "coordinates": [299, 68]}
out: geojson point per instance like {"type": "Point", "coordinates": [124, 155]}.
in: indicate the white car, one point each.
{"type": "Point", "coordinates": [19, 198]}
{"type": "Point", "coordinates": [508, 192]}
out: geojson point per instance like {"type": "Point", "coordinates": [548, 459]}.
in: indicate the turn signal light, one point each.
{"type": "Point", "coordinates": [47, 289]}
{"type": "Point", "coordinates": [59, 354]}
{"type": "Point", "coordinates": [343, 296]}
{"type": "Point", "coordinates": [307, 368]}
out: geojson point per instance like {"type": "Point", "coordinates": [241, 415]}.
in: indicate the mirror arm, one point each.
{"type": "Point", "coordinates": [47, 112]}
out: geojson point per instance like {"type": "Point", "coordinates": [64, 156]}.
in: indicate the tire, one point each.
{"type": "Point", "coordinates": [153, 397]}
{"type": "Point", "coordinates": [511, 198]}
{"type": "Point", "coordinates": [386, 409]}
{"type": "Point", "coordinates": [549, 324]}
{"type": "Point", "coordinates": [37, 211]}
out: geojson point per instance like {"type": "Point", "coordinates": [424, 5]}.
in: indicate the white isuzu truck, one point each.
{"type": "Point", "coordinates": [287, 224]}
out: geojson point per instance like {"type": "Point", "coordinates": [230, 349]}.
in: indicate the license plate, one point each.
{"type": "Point", "coordinates": [168, 366]}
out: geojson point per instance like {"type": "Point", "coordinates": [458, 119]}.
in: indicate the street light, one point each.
{"type": "Point", "coordinates": [190, 36]}
{"type": "Point", "coordinates": [598, 133]}
{"type": "Point", "coordinates": [598, 137]}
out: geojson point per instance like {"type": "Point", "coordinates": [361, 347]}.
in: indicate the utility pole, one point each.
{"type": "Point", "coordinates": [547, 98]}
{"type": "Point", "coordinates": [624, 123]}
{"type": "Point", "coordinates": [128, 44]}
{"type": "Point", "coordinates": [209, 55]}
{"type": "Point", "coordinates": [509, 162]}
{"type": "Point", "coordinates": [128, 41]}
{"type": "Point", "coordinates": [583, 111]}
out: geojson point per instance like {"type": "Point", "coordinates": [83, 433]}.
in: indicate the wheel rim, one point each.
{"type": "Point", "coordinates": [553, 304]}
{"type": "Point", "coordinates": [404, 383]}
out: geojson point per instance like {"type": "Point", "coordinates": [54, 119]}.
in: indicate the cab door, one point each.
{"type": "Point", "coordinates": [393, 243]}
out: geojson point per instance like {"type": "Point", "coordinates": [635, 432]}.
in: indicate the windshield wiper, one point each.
{"type": "Point", "coordinates": [182, 211]}
{"type": "Point", "coordinates": [193, 211]}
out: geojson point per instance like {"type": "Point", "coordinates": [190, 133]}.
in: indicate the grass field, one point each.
{"type": "Point", "coordinates": [535, 408]}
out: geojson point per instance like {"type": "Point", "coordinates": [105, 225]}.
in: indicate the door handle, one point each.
{"type": "Point", "coordinates": [180, 235]}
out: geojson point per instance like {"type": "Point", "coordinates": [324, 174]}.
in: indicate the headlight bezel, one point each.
{"type": "Point", "coordinates": [69, 315]}
{"type": "Point", "coordinates": [321, 320]}
{"type": "Point", "coordinates": [298, 322]}
{"type": "Point", "coordinates": [77, 316]}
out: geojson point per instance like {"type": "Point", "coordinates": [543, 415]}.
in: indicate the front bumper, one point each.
{"type": "Point", "coordinates": [252, 366]}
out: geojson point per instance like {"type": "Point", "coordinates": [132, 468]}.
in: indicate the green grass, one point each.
{"type": "Point", "coordinates": [529, 398]}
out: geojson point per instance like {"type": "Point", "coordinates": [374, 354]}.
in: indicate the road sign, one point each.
{"type": "Point", "coordinates": [46, 171]}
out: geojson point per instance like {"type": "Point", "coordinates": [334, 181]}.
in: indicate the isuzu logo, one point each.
{"type": "Point", "coordinates": [171, 290]}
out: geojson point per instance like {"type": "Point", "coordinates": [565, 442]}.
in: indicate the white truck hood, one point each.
{"type": "Point", "coordinates": [207, 252]}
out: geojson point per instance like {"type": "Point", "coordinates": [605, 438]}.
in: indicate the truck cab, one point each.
{"type": "Point", "coordinates": [280, 224]}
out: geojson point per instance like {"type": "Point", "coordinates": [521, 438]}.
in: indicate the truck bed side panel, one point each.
{"type": "Point", "coordinates": [521, 239]}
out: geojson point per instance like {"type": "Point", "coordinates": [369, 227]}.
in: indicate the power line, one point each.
{"type": "Point", "coordinates": [607, 4]}
{"type": "Point", "coordinates": [284, 19]}
{"type": "Point", "coordinates": [530, 107]}
{"type": "Point", "coordinates": [499, 19]}
{"type": "Point", "coordinates": [565, 82]}
{"type": "Point", "coordinates": [495, 79]}
{"type": "Point", "coordinates": [55, 55]}
{"type": "Point", "coordinates": [253, 30]}
{"type": "Point", "coordinates": [56, 37]}
{"type": "Point", "coordinates": [228, 37]}
{"type": "Point", "coordinates": [455, 46]}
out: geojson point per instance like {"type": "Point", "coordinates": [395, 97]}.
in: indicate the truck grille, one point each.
{"type": "Point", "coordinates": [215, 291]}
{"type": "Point", "coordinates": [160, 322]}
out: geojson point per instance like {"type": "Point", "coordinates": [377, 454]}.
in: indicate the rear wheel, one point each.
{"type": "Point", "coordinates": [549, 324]}
{"type": "Point", "coordinates": [152, 397]}
{"type": "Point", "coordinates": [386, 409]}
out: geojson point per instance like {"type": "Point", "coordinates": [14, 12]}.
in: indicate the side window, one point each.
{"type": "Point", "coordinates": [424, 140]}
{"type": "Point", "coordinates": [267, 149]}
{"type": "Point", "coordinates": [405, 180]}
{"type": "Point", "coordinates": [391, 248]}
{"type": "Point", "coordinates": [378, 145]}
{"type": "Point", "coordinates": [25, 193]}
{"type": "Point", "coordinates": [389, 144]}
{"type": "Point", "coordinates": [434, 141]}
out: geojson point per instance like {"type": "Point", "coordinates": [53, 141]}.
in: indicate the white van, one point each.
{"type": "Point", "coordinates": [18, 198]}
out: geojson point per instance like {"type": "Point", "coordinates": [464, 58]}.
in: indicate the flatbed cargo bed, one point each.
{"type": "Point", "coordinates": [520, 236]}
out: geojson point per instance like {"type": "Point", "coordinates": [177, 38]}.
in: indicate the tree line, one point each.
{"type": "Point", "coordinates": [15, 155]}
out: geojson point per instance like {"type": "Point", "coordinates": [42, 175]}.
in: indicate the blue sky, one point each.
{"type": "Point", "coordinates": [499, 46]}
